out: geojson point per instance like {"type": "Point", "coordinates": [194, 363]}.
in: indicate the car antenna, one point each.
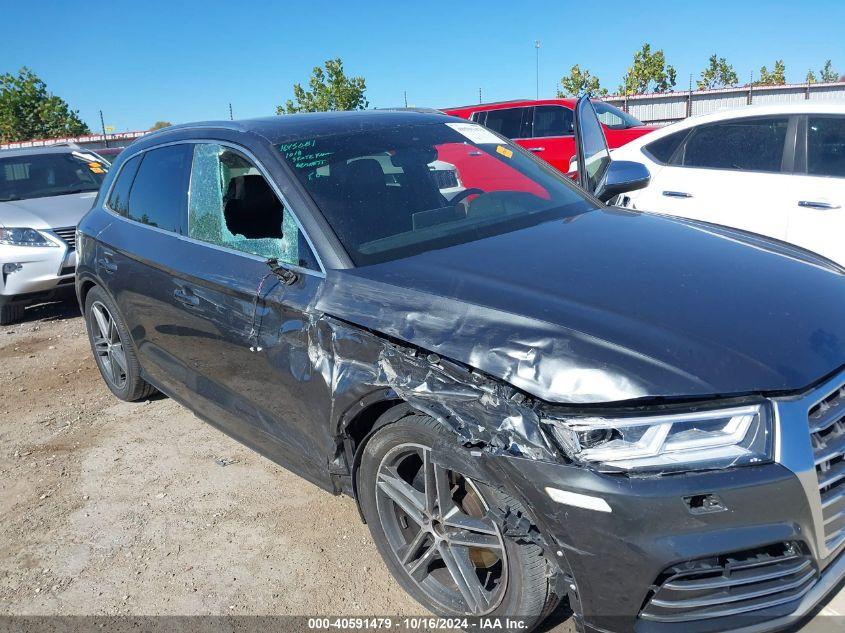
{"type": "Point", "coordinates": [287, 277]}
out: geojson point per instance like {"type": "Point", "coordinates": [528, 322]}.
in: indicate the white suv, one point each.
{"type": "Point", "coordinates": [43, 194]}
{"type": "Point", "coordinates": [776, 170]}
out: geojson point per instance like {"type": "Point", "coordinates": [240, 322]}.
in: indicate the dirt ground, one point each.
{"type": "Point", "coordinates": [109, 508]}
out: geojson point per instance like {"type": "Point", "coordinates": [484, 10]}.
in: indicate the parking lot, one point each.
{"type": "Point", "coordinates": [116, 508]}
{"type": "Point", "coordinates": [142, 509]}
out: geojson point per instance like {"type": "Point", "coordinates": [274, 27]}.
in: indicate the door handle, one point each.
{"type": "Point", "coordinates": [677, 194]}
{"type": "Point", "coordinates": [536, 149]}
{"type": "Point", "coordinates": [186, 296]}
{"type": "Point", "coordinates": [813, 204]}
{"type": "Point", "coordinates": [106, 265]}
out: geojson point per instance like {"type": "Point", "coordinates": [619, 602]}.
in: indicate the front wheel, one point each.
{"type": "Point", "coordinates": [434, 531]}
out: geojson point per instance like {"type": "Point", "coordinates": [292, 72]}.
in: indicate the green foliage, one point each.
{"type": "Point", "coordinates": [811, 77]}
{"type": "Point", "coordinates": [158, 125]}
{"type": "Point", "coordinates": [648, 73]}
{"type": "Point", "coordinates": [330, 90]}
{"type": "Point", "coordinates": [718, 74]}
{"type": "Point", "coordinates": [580, 82]}
{"type": "Point", "coordinates": [827, 73]}
{"type": "Point", "coordinates": [775, 78]}
{"type": "Point", "coordinates": [28, 111]}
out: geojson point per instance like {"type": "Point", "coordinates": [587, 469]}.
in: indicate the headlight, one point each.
{"type": "Point", "coordinates": [702, 440]}
{"type": "Point", "coordinates": [24, 237]}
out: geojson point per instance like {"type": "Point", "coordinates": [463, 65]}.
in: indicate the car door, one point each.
{"type": "Point", "coordinates": [729, 172]}
{"type": "Point", "coordinates": [244, 286]}
{"type": "Point", "coordinates": [816, 198]}
{"type": "Point", "coordinates": [137, 253]}
{"type": "Point", "coordinates": [551, 135]}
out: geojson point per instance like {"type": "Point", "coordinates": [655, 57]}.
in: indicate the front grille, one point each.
{"type": "Point", "coordinates": [764, 582]}
{"type": "Point", "coordinates": [827, 433]}
{"type": "Point", "coordinates": [68, 234]}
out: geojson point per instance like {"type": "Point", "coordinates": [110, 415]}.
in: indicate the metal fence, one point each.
{"type": "Point", "coordinates": [92, 141]}
{"type": "Point", "coordinates": [663, 108]}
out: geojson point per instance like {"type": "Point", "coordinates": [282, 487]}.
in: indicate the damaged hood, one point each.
{"type": "Point", "coordinates": [612, 305]}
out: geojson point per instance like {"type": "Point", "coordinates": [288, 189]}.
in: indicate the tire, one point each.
{"type": "Point", "coordinates": [113, 349]}
{"type": "Point", "coordinates": [523, 587]}
{"type": "Point", "coordinates": [10, 313]}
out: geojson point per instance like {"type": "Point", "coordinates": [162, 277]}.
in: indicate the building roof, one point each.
{"type": "Point", "coordinates": [48, 149]}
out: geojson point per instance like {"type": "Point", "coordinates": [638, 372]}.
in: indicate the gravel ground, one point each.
{"type": "Point", "coordinates": [110, 508]}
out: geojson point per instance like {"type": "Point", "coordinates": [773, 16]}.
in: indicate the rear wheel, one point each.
{"type": "Point", "coordinates": [432, 526]}
{"type": "Point", "coordinates": [113, 350]}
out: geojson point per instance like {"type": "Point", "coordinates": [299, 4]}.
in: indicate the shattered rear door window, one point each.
{"type": "Point", "coordinates": [232, 205]}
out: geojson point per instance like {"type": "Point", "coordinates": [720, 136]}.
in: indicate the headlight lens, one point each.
{"type": "Point", "coordinates": [24, 237]}
{"type": "Point", "coordinates": [682, 441]}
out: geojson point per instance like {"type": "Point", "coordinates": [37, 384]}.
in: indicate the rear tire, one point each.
{"type": "Point", "coordinates": [113, 349]}
{"type": "Point", "coordinates": [10, 313]}
{"type": "Point", "coordinates": [513, 576]}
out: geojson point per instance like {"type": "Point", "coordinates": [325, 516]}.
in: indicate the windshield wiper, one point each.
{"type": "Point", "coordinates": [69, 192]}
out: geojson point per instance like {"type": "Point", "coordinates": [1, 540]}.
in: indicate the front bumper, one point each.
{"type": "Point", "coordinates": [620, 550]}
{"type": "Point", "coordinates": [40, 272]}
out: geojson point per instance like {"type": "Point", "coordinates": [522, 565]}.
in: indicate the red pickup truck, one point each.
{"type": "Point", "coordinates": [545, 126]}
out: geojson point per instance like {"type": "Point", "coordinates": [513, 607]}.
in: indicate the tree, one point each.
{"type": "Point", "coordinates": [811, 77]}
{"type": "Point", "coordinates": [330, 90]}
{"type": "Point", "coordinates": [580, 82]}
{"type": "Point", "coordinates": [775, 78]}
{"type": "Point", "coordinates": [29, 111]}
{"type": "Point", "coordinates": [158, 125]}
{"type": "Point", "coordinates": [648, 73]}
{"type": "Point", "coordinates": [827, 73]}
{"type": "Point", "coordinates": [718, 74]}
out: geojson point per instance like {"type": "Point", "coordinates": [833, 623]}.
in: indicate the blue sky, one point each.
{"type": "Point", "coordinates": [182, 61]}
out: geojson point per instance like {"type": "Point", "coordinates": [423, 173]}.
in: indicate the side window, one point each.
{"type": "Point", "coordinates": [159, 191]}
{"type": "Point", "coordinates": [550, 120]}
{"type": "Point", "coordinates": [743, 144]}
{"type": "Point", "coordinates": [232, 205]}
{"type": "Point", "coordinates": [507, 122]}
{"type": "Point", "coordinates": [479, 117]}
{"type": "Point", "coordinates": [119, 197]}
{"type": "Point", "coordinates": [664, 149]}
{"type": "Point", "coordinates": [826, 146]}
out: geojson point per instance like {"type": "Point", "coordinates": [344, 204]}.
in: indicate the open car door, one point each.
{"type": "Point", "coordinates": [598, 173]}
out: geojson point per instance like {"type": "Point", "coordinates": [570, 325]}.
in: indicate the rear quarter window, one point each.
{"type": "Point", "coordinates": [119, 197]}
{"type": "Point", "coordinates": [663, 150]}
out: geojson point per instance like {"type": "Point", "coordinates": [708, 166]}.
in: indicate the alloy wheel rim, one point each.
{"type": "Point", "coordinates": [436, 524]}
{"type": "Point", "coordinates": [108, 346]}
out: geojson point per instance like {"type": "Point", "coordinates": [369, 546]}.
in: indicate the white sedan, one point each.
{"type": "Point", "coordinates": [776, 170]}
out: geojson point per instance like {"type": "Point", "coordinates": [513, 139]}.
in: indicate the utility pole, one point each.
{"type": "Point", "coordinates": [750, 87]}
{"type": "Point", "coordinates": [231, 118]}
{"type": "Point", "coordinates": [537, 47]}
{"type": "Point", "coordinates": [405, 95]}
{"type": "Point", "coordinates": [689, 97]}
{"type": "Point", "coordinates": [103, 125]}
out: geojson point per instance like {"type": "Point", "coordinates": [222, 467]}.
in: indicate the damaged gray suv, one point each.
{"type": "Point", "coordinates": [532, 396]}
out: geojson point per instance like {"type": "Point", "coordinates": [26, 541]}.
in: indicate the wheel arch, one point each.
{"type": "Point", "coordinates": [372, 413]}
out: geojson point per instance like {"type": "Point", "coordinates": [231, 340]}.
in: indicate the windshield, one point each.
{"type": "Point", "coordinates": [40, 175]}
{"type": "Point", "coordinates": [614, 118]}
{"type": "Point", "coordinates": [394, 192]}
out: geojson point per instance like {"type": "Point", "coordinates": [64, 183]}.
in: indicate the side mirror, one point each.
{"type": "Point", "coordinates": [622, 176]}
